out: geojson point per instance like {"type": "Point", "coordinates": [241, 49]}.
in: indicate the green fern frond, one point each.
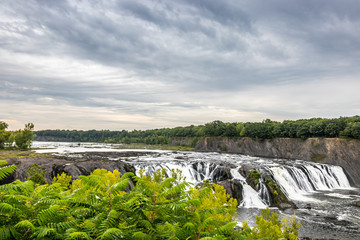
{"type": "Point", "coordinates": [111, 233]}
{"type": "Point", "coordinates": [189, 226]}
{"type": "Point", "coordinates": [146, 224]}
{"type": "Point", "coordinates": [61, 226]}
{"type": "Point", "coordinates": [119, 186]}
{"type": "Point", "coordinates": [43, 232]}
{"type": "Point", "coordinates": [226, 229]}
{"type": "Point", "coordinates": [81, 212]}
{"type": "Point", "coordinates": [6, 208]}
{"type": "Point", "coordinates": [214, 238]}
{"type": "Point", "coordinates": [141, 236]}
{"type": "Point", "coordinates": [24, 225]}
{"type": "Point", "coordinates": [110, 221]}
{"type": "Point", "coordinates": [50, 201]}
{"type": "Point", "coordinates": [5, 232]}
{"type": "Point", "coordinates": [6, 171]}
{"type": "Point", "coordinates": [3, 163]}
{"type": "Point", "coordinates": [18, 186]}
{"type": "Point", "coordinates": [89, 227]}
{"type": "Point", "coordinates": [46, 215]}
{"type": "Point", "coordinates": [127, 175]}
{"type": "Point", "coordinates": [94, 181]}
{"type": "Point", "coordinates": [77, 236]}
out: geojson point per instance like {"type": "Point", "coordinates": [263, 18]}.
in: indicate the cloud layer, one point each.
{"type": "Point", "coordinates": [150, 64]}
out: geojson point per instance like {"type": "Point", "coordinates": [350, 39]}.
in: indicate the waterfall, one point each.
{"type": "Point", "coordinates": [299, 181]}
{"type": "Point", "coordinates": [251, 198]}
{"type": "Point", "coordinates": [264, 193]}
{"type": "Point", "coordinates": [193, 173]}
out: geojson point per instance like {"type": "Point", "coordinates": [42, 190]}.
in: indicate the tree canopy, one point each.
{"type": "Point", "coordinates": [304, 128]}
{"type": "Point", "coordinates": [19, 139]}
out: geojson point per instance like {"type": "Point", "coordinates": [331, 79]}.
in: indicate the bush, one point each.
{"type": "Point", "coordinates": [98, 207]}
{"type": "Point", "coordinates": [36, 174]}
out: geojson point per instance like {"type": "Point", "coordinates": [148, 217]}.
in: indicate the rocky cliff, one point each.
{"type": "Point", "coordinates": [335, 151]}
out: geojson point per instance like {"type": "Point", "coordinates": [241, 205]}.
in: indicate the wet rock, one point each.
{"type": "Point", "coordinates": [233, 188]}
{"type": "Point", "coordinates": [71, 166]}
{"type": "Point", "coordinates": [245, 170]}
{"type": "Point", "coordinates": [284, 206]}
{"type": "Point", "coordinates": [221, 173]}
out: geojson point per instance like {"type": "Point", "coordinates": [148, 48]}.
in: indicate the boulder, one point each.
{"type": "Point", "coordinates": [233, 188]}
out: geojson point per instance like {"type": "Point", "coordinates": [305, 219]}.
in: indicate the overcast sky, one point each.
{"type": "Point", "coordinates": [142, 64]}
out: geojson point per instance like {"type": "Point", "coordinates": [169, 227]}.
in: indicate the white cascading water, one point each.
{"type": "Point", "coordinates": [297, 182]}
{"type": "Point", "coordinates": [264, 193]}
{"type": "Point", "coordinates": [251, 198]}
{"type": "Point", "coordinates": [193, 173]}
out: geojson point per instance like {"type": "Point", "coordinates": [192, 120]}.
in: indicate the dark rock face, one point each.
{"type": "Point", "coordinates": [335, 151]}
{"type": "Point", "coordinates": [222, 173]}
{"type": "Point", "coordinates": [71, 166]}
{"type": "Point", "coordinates": [233, 188]}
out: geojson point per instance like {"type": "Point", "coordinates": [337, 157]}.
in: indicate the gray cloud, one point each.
{"type": "Point", "coordinates": [152, 57]}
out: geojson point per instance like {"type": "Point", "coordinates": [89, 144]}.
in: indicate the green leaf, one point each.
{"type": "Point", "coordinates": [6, 208]}
{"type": "Point", "coordinates": [6, 171]}
{"type": "Point", "coordinates": [112, 233]}
{"type": "Point", "coordinates": [77, 236]}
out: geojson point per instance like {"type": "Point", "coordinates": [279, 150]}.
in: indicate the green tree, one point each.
{"type": "Point", "coordinates": [36, 174]}
{"type": "Point", "coordinates": [23, 137]}
{"type": "Point", "coordinates": [3, 134]}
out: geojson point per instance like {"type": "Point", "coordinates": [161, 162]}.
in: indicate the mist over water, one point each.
{"type": "Point", "coordinates": [322, 193]}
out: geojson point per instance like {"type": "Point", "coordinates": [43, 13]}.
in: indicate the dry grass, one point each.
{"type": "Point", "coordinates": [16, 154]}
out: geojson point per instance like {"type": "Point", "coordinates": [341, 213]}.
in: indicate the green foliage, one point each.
{"type": "Point", "coordinates": [6, 170]}
{"type": "Point", "coordinates": [255, 174]}
{"type": "Point", "coordinates": [318, 157]}
{"type": "Point", "coordinates": [160, 206]}
{"type": "Point", "coordinates": [22, 138]}
{"type": "Point", "coordinates": [276, 193]}
{"type": "Point", "coordinates": [36, 174]}
{"type": "Point", "coordinates": [268, 226]}
{"type": "Point", "coordinates": [267, 129]}
{"type": "Point", "coordinates": [63, 179]}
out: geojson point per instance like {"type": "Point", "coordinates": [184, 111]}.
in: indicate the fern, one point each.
{"type": "Point", "coordinates": [109, 222]}
{"type": "Point", "coordinates": [42, 232]}
{"type": "Point", "coordinates": [226, 229]}
{"type": "Point", "coordinates": [6, 208]}
{"type": "Point", "coordinates": [18, 186]}
{"type": "Point", "coordinates": [61, 226]}
{"type": "Point", "coordinates": [111, 233]}
{"type": "Point", "coordinates": [5, 232]}
{"type": "Point", "coordinates": [77, 236]}
{"type": "Point", "coordinates": [141, 236]}
{"type": "Point", "coordinates": [25, 227]}
{"type": "Point", "coordinates": [47, 215]}
{"type": "Point", "coordinates": [6, 171]}
{"type": "Point", "coordinates": [189, 226]}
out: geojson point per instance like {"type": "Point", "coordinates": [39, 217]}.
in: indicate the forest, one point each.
{"type": "Point", "coordinates": [345, 127]}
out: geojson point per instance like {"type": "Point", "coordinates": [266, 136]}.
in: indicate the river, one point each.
{"type": "Point", "coordinates": [324, 198]}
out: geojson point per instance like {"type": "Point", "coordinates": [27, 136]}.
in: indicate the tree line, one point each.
{"type": "Point", "coordinates": [20, 139]}
{"type": "Point", "coordinates": [348, 127]}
